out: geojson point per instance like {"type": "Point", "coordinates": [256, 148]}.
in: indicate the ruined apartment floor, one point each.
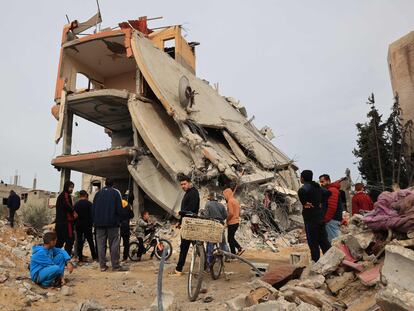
{"type": "Point", "coordinates": [136, 289]}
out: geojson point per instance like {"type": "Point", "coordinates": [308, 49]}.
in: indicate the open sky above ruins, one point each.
{"type": "Point", "coordinates": [305, 68]}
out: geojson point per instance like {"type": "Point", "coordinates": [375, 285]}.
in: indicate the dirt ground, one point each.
{"type": "Point", "coordinates": [133, 289]}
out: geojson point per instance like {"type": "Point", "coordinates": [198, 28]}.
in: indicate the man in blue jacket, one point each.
{"type": "Point", "coordinates": [47, 264]}
{"type": "Point", "coordinates": [106, 211]}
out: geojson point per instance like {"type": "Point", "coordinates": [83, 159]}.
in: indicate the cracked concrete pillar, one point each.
{"type": "Point", "coordinates": [66, 146]}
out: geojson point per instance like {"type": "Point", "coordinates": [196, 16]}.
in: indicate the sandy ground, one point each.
{"type": "Point", "coordinates": [136, 288]}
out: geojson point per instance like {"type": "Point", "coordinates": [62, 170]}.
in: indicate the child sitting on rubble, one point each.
{"type": "Point", "coordinates": [143, 228]}
{"type": "Point", "coordinates": [47, 264]}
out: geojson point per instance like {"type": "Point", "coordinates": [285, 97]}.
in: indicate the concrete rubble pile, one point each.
{"type": "Point", "coordinates": [364, 269]}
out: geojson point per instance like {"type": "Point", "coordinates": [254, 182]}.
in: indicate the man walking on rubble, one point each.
{"type": "Point", "coordinates": [106, 211]}
{"type": "Point", "coordinates": [65, 217]}
{"type": "Point", "coordinates": [13, 204]}
{"type": "Point", "coordinates": [233, 219]}
{"type": "Point", "coordinates": [310, 195]}
{"type": "Point", "coordinates": [361, 201]}
{"type": "Point", "coordinates": [333, 214]}
{"type": "Point", "coordinates": [189, 204]}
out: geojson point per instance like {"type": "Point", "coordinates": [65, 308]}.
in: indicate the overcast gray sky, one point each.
{"type": "Point", "coordinates": [305, 68]}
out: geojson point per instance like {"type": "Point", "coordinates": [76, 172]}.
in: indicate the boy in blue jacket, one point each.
{"type": "Point", "coordinates": [47, 264]}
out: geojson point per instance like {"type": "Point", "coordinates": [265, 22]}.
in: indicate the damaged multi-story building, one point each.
{"type": "Point", "coordinates": [162, 119]}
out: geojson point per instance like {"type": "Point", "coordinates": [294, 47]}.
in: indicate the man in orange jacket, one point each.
{"type": "Point", "coordinates": [233, 219]}
{"type": "Point", "coordinates": [361, 201]}
{"type": "Point", "coordinates": [333, 213]}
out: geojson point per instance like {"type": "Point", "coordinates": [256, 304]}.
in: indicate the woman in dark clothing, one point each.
{"type": "Point", "coordinates": [65, 216]}
{"type": "Point", "coordinates": [126, 215]}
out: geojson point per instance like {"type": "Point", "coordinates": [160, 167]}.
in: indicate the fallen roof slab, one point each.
{"type": "Point", "coordinates": [161, 135]}
{"type": "Point", "coordinates": [157, 184]}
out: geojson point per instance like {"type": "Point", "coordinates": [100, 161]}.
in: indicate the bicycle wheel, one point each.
{"type": "Point", "coordinates": [195, 275]}
{"type": "Point", "coordinates": [217, 265]}
{"type": "Point", "coordinates": [159, 248]}
{"type": "Point", "coordinates": [133, 251]}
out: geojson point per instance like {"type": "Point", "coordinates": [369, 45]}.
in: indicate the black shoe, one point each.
{"type": "Point", "coordinates": [120, 269]}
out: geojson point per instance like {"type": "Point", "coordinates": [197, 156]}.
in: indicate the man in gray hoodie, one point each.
{"type": "Point", "coordinates": [217, 211]}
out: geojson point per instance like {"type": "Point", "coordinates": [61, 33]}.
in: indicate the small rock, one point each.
{"type": "Point", "coordinates": [19, 253]}
{"type": "Point", "coordinates": [66, 290]}
{"type": "Point", "coordinates": [7, 263]}
{"type": "Point", "coordinates": [89, 305]}
{"type": "Point", "coordinates": [22, 290]}
{"type": "Point", "coordinates": [303, 306]}
{"type": "Point", "coordinates": [208, 299]}
{"type": "Point", "coordinates": [167, 301]}
{"type": "Point", "coordinates": [28, 286]}
{"type": "Point", "coordinates": [3, 277]}
{"type": "Point", "coordinates": [237, 303]}
{"type": "Point", "coordinates": [336, 283]}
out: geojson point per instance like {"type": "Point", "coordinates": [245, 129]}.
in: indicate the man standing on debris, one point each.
{"type": "Point", "coordinates": [217, 211]}
{"type": "Point", "coordinates": [333, 213]}
{"type": "Point", "coordinates": [65, 217]}
{"type": "Point", "coordinates": [106, 211]}
{"type": "Point", "coordinates": [310, 195]}
{"type": "Point", "coordinates": [361, 201]}
{"type": "Point", "coordinates": [189, 204]}
{"type": "Point", "coordinates": [233, 219]}
{"type": "Point", "coordinates": [13, 203]}
{"type": "Point", "coordinates": [83, 209]}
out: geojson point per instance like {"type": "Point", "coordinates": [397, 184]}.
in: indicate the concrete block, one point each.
{"type": "Point", "coordinates": [255, 284]}
{"type": "Point", "coordinates": [303, 306]}
{"type": "Point", "coordinates": [280, 305]}
{"type": "Point", "coordinates": [394, 298]}
{"type": "Point", "coordinates": [313, 281]}
{"type": "Point", "coordinates": [398, 267]}
{"type": "Point", "coordinates": [236, 303]}
{"type": "Point", "coordinates": [357, 243]}
{"type": "Point", "coordinates": [336, 283]}
{"type": "Point", "coordinates": [329, 262]}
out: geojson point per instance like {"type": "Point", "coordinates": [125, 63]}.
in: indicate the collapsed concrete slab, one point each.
{"type": "Point", "coordinates": [398, 267]}
{"type": "Point", "coordinates": [394, 298]}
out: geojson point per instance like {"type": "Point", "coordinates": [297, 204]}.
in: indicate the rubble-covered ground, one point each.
{"type": "Point", "coordinates": [362, 271]}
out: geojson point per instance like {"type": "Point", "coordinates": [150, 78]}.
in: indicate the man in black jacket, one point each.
{"type": "Point", "coordinates": [13, 203]}
{"type": "Point", "coordinates": [65, 218]}
{"type": "Point", "coordinates": [83, 209]}
{"type": "Point", "coordinates": [106, 211]}
{"type": "Point", "coordinates": [189, 204]}
{"type": "Point", "coordinates": [311, 197]}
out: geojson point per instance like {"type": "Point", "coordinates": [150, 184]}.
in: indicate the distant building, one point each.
{"type": "Point", "coordinates": [401, 67]}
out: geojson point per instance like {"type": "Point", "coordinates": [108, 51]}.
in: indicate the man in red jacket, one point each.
{"type": "Point", "coordinates": [361, 201]}
{"type": "Point", "coordinates": [333, 213]}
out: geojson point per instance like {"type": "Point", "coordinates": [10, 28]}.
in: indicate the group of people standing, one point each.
{"type": "Point", "coordinates": [323, 209]}
{"type": "Point", "coordinates": [109, 213]}
{"type": "Point", "coordinates": [190, 204]}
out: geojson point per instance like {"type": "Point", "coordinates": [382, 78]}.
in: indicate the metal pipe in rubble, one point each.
{"type": "Point", "coordinates": [243, 260]}
{"type": "Point", "coordinates": [159, 281]}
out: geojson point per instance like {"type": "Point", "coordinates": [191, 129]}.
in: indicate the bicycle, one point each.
{"type": "Point", "coordinates": [198, 261]}
{"type": "Point", "coordinates": [151, 240]}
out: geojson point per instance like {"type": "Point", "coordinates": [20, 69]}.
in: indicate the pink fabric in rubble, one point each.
{"type": "Point", "coordinates": [393, 210]}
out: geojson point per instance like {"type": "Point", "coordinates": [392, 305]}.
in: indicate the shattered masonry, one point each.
{"type": "Point", "coordinates": [133, 92]}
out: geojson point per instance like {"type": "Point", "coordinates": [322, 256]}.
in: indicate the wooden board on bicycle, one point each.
{"type": "Point", "coordinates": [198, 229]}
